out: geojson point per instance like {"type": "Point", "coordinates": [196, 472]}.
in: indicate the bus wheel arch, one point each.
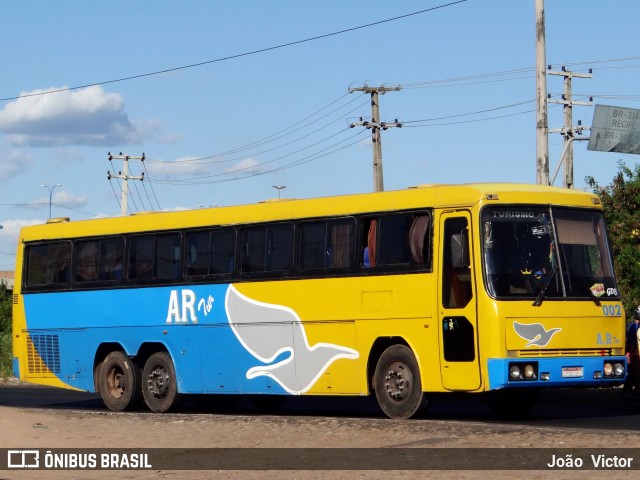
{"type": "Point", "coordinates": [397, 384]}
{"type": "Point", "coordinates": [118, 378]}
{"type": "Point", "coordinates": [160, 383]}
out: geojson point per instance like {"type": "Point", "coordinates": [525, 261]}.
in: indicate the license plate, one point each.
{"type": "Point", "coordinates": [572, 372]}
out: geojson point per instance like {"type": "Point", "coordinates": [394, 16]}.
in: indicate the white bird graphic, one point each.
{"type": "Point", "coordinates": [268, 331]}
{"type": "Point", "coordinates": [535, 333]}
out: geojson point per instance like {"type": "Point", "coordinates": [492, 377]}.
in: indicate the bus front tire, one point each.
{"type": "Point", "coordinates": [159, 384]}
{"type": "Point", "coordinates": [397, 383]}
{"type": "Point", "coordinates": [119, 379]}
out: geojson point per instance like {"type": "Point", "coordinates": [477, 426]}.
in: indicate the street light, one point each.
{"type": "Point", "coordinates": [279, 188]}
{"type": "Point", "coordinates": [51, 189]}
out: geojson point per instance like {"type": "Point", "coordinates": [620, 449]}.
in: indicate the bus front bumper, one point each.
{"type": "Point", "coordinates": [556, 372]}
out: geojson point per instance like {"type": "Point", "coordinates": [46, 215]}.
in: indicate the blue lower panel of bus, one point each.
{"type": "Point", "coordinates": [554, 372]}
{"type": "Point", "coordinates": [220, 340]}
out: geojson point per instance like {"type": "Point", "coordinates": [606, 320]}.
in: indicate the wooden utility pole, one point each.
{"type": "Point", "coordinates": [376, 125]}
{"type": "Point", "coordinates": [542, 142]}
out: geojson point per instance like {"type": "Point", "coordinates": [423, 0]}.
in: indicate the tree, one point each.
{"type": "Point", "coordinates": [621, 203]}
{"type": "Point", "coordinates": [5, 331]}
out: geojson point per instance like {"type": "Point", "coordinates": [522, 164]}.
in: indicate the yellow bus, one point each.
{"type": "Point", "coordinates": [499, 288]}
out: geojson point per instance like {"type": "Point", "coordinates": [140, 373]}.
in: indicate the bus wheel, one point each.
{"type": "Point", "coordinates": [397, 383]}
{"type": "Point", "coordinates": [119, 380]}
{"type": "Point", "coordinates": [159, 385]}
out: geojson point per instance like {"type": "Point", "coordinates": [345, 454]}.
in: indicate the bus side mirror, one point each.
{"type": "Point", "coordinates": [459, 250]}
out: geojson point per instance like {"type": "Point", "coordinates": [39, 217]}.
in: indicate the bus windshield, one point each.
{"type": "Point", "coordinates": [555, 253]}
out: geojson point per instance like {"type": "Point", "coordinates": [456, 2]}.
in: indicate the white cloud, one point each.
{"type": "Point", "coordinates": [89, 116]}
{"type": "Point", "coordinates": [245, 166]}
{"type": "Point", "coordinates": [68, 200]}
{"type": "Point", "coordinates": [9, 240]}
{"type": "Point", "coordinates": [13, 163]}
{"type": "Point", "coordinates": [60, 198]}
{"type": "Point", "coordinates": [182, 167]}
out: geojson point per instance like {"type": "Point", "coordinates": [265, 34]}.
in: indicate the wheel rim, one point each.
{"type": "Point", "coordinates": [398, 382]}
{"type": "Point", "coordinates": [116, 382]}
{"type": "Point", "coordinates": [159, 382]}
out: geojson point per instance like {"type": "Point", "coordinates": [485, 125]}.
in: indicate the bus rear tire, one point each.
{"type": "Point", "coordinates": [119, 380]}
{"type": "Point", "coordinates": [397, 383]}
{"type": "Point", "coordinates": [159, 383]}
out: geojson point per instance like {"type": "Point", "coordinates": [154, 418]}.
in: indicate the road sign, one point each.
{"type": "Point", "coordinates": [615, 129]}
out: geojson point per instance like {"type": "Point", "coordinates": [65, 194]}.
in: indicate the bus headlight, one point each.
{"type": "Point", "coordinates": [529, 371]}
{"type": "Point", "coordinates": [523, 371]}
{"type": "Point", "coordinates": [618, 369]}
{"type": "Point", "coordinates": [613, 370]}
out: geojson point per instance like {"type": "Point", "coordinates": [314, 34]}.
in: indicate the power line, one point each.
{"type": "Point", "coordinates": [276, 136]}
{"type": "Point", "coordinates": [240, 55]}
{"type": "Point", "coordinates": [314, 156]}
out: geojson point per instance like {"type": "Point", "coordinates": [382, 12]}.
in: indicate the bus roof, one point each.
{"type": "Point", "coordinates": [421, 196]}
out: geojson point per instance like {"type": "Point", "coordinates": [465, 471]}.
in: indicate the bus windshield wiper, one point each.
{"type": "Point", "coordinates": [538, 301]}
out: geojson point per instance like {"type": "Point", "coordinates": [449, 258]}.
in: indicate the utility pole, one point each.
{"type": "Point", "coordinates": [568, 131]}
{"type": "Point", "coordinates": [542, 141]}
{"type": "Point", "coordinates": [125, 177]}
{"type": "Point", "coordinates": [376, 125]}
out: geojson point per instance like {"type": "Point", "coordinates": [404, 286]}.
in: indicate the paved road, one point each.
{"type": "Point", "coordinates": [589, 408]}
{"type": "Point", "coordinates": [45, 418]}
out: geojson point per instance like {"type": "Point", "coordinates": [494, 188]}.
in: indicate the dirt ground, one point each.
{"type": "Point", "coordinates": [62, 428]}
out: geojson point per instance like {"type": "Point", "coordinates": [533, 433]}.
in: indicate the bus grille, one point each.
{"type": "Point", "coordinates": [43, 354]}
{"type": "Point", "coordinates": [566, 352]}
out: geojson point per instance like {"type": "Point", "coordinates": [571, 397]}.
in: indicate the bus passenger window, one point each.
{"type": "Point", "coordinates": [279, 247]}
{"type": "Point", "coordinates": [253, 249]}
{"type": "Point", "coordinates": [197, 253]}
{"type": "Point", "coordinates": [326, 244]}
{"type": "Point", "coordinates": [86, 261]}
{"type": "Point", "coordinates": [313, 245]}
{"type": "Point", "coordinates": [223, 248]}
{"type": "Point", "coordinates": [111, 258]}
{"type": "Point", "coordinates": [141, 255]}
{"type": "Point", "coordinates": [167, 258]}
{"type": "Point", "coordinates": [418, 241]}
{"type": "Point", "coordinates": [48, 264]}
{"type": "Point", "coordinates": [396, 239]}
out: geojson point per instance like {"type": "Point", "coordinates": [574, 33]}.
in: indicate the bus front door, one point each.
{"type": "Point", "coordinates": [459, 365]}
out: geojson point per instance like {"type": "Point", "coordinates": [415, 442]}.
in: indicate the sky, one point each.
{"type": "Point", "coordinates": [227, 100]}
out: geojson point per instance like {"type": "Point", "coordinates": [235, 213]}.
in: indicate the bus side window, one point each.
{"type": "Point", "coordinates": [370, 238]}
{"type": "Point", "coordinates": [222, 251]}
{"type": "Point", "coordinates": [418, 240]}
{"type": "Point", "coordinates": [197, 253]}
{"type": "Point", "coordinates": [396, 239]}
{"type": "Point", "coordinates": [326, 244]}
{"type": "Point", "coordinates": [340, 237]}
{"type": "Point", "coordinates": [111, 261]}
{"type": "Point", "coordinates": [86, 261]}
{"type": "Point", "coordinates": [141, 256]}
{"type": "Point", "coordinates": [313, 245]}
{"type": "Point", "coordinates": [253, 249]}
{"type": "Point", "coordinates": [167, 256]}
